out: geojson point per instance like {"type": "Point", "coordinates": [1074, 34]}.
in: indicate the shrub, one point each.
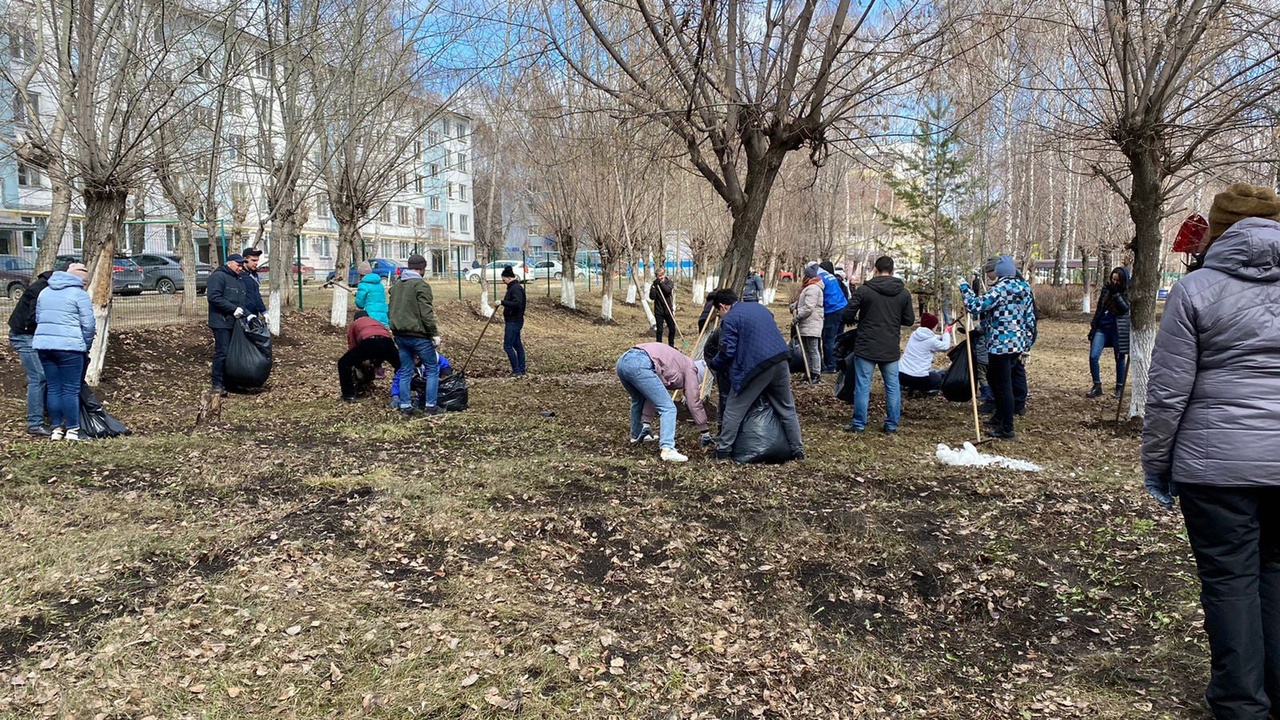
{"type": "Point", "coordinates": [1058, 301]}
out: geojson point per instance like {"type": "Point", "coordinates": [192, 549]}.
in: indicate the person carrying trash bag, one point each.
{"type": "Point", "coordinates": [1209, 438]}
{"type": "Point", "coordinates": [754, 353]}
{"type": "Point", "coordinates": [225, 294]}
{"type": "Point", "coordinates": [649, 372]}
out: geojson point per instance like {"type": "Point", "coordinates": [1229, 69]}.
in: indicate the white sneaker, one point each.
{"type": "Point", "coordinates": [673, 455]}
{"type": "Point", "coordinates": [646, 435]}
{"type": "Point", "coordinates": [56, 434]}
{"type": "Point", "coordinates": [73, 434]}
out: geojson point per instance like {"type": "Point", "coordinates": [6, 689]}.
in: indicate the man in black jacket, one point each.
{"type": "Point", "coordinates": [252, 283]}
{"type": "Point", "coordinates": [22, 327]}
{"type": "Point", "coordinates": [225, 293]}
{"type": "Point", "coordinates": [513, 321]}
{"type": "Point", "coordinates": [662, 295]}
{"type": "Point", "coordinates": [880, 307]}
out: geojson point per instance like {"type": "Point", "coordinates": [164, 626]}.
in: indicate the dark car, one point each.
{"type": "Point", "coordinates": [15, 275]}
{"type": "Point", "coordinates": [126, 276]}
{"type": "Point", "coordinates": [163, 273]}
{"type": "Point", "coordinates": [382, 267]}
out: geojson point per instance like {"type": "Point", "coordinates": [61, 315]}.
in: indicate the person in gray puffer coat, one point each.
{"type": "Point", "coordinates": [1212, 437]}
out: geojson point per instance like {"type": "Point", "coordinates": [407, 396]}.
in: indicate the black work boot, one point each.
{"type": "Point", "coordinates": [1095, 392]}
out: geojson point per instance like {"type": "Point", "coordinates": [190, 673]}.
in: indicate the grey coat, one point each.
{"type": "Point", "coordinates": [1213, 394]}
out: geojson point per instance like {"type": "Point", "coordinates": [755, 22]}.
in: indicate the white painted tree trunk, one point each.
{"type": "Point", "coordinates": [769, 295]}
{"type": "Point", "coordinates": [485, 308]}
{"type": "Point", "coordinates": [273, 311]}
{"type": "Point", "coordinates": [631, 291]}
{"type": "Point", "coordinates": [338, 308]}
{"type": "Point", "coordinates": [699, 290]}
{"type": "Point", "coordinates": [568, 293]}
{"type": "Point", "coordinates": [606, 304]}
{"type": "Point", "coordinates": [98, 353]}
{"type": "Point", "coordinates": [1141, 344]}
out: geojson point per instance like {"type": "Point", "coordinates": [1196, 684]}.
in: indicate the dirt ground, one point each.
{"type": "Point", "coordinates": [302, 558]}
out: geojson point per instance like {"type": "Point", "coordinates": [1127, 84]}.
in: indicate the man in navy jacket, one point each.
{"type": "Point", "coordinates": [754, 354]}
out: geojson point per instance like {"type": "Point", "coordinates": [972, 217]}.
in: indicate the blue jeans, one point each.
{"type": "Point", "coordinates": [513, 345]}
{"type": "Point", "coordinates": [832, 324]}
{"type": "Point", "coordinates": [635, 370]}
{"type": "Point", "coordinates": [63, 370]}
{"type": "Point", "coordinates": [1099, 344]}
{"type": "Point", "coordinates": [35, 378]}
{"type": "Point", "coordinates": [862, 370]}
{"type": "Point", "coordinates": [423, 350]}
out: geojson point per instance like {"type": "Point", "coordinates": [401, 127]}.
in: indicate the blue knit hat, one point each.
{"type": "Point", "coordinates": [1005, 267]}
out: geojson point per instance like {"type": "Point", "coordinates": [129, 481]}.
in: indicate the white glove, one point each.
{"type": "Point", "coordinates": [435, 342]}
{"type": "Point", "coordinates": [250, 318]}
{"type": "Point", "coordinates": [239, 312]}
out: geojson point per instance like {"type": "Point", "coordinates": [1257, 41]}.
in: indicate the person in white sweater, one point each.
{"type": "Point", "coordinates": [915, 370]}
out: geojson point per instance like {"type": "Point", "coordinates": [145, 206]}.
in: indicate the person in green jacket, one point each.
{"type": "Point", "coordinates": [413, 325]}
{"type": "Point", "coordinates": [370, 295]}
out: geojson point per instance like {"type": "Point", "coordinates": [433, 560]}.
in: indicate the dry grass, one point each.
{"type": "Point", "coordinates": [308, 559]}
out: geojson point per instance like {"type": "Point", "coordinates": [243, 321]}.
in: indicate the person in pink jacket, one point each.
{"type": "Point", "coordinates": [649, 373]}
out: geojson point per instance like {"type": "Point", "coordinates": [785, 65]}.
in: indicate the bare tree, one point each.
{"type": "Point", "coordinates": [1159, 90]}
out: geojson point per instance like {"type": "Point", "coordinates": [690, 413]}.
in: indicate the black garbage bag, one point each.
{"type": "Point", "coordinates": [761, 438]}
{"type": "Point", "coordinates": [796, 361]}
{"type": "Point", "coordinates": [452, 395]}
{"type": "Point", "coordinates": [955, 384]}
{"type": "Point", "coordinates": [95, 422]}
{"type": "Point", "coordinates": [844, 344]}
{"type": "Point", "coordinates": [248, 356]}
{"type": "Point", "coordinates": [844, 379]}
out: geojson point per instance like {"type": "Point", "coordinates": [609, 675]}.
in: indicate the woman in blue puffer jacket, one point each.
{"type": "Point", "coordinates": [371, 297]}
{"type": "Point", "coordinates": [64, 333]}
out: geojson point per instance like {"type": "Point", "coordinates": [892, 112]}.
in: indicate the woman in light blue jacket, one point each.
{"type": "Point", "coordinates": [64, 334]}
{"type": "Point", "coordinates": [371, 297]}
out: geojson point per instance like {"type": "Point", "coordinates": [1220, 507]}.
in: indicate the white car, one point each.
{"type": "Point", "coordinates": [494, 269]}
{"type": "Point", "coordinates": [543, 269]}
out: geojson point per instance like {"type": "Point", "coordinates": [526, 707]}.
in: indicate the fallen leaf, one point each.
{"type": "Point", "coordinates": [470, 680]}
{"type": "Point", "coordinates": [294, 630]}
{"type": "Point", "coordinates": [288, 693]}
{"type": "Point", "coordinates": [234, 692]}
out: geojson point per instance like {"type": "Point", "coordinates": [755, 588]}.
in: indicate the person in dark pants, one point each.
{"type": "Point", "coordinates": [513, 306]}
{"type": "Point", "coordinates": [413, 325]}
{"type": "Point", "coordinates": [833, 304]}
{"type": "Point", "coordinates": [754, 355]}
{"type": "Point", "coordinates": [369, 342]}
{"type": "Point", "coordinates": [253, 304]}
{"type": "Point", "coordinates": [225, 294]}
{"type": "Point", "coordinates": [1009, 321]}
{"type": "Point", "coordinates": [1210, 436]}
{"type": "Point", "coordinates": [662, 295]}
{"type": "Point", "coordinates": [22, 328]}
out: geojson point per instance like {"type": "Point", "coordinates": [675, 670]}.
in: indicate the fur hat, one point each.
{"type": "Point", "coordinates": [1240, 201]}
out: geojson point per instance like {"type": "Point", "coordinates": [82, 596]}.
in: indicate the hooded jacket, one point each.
{"type": "Point", "coordinates": [371, 297]}
{"type": "Point", "coordinates": [809, 309]}
{"type": "Point", "coordinates": [917, 358]}
{"type": "Point", "coordinates": [22, 321]}
{"type": "Point", "coordinates": [880, 308]}
{"type": "Point", "coordinates": [225, 293]}
{"type": "Point", "coordinates": [513, 303]}
{"type": "Point", "coordinates": [1213, 391]}
{"type": "Point", "coordinates": [833, 299]}
{"type": "Point", "coordinates": [1113, 311]}
{"type": "Point", "coordinates": [412, 310]}
{"type": "Point", "coordinates": [1007, 310]}
{"type": "Point", "coordinates": [662, 295]}
{"type": "Point", "coordinates": [64, 315]}
{"type": "Point", "coordinates": [750, 342]}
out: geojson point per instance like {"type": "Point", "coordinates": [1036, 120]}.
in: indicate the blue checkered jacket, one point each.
{"type": "Point", "coordinates": [1008, 315]}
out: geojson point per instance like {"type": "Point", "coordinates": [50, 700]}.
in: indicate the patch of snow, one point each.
{"type": "Point", "coordinates": [968, 456]}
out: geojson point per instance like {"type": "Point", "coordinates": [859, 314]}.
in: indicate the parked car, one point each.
{"type": "Point", "coordinates": [786, 276]}
{"type": "Point", "coordinates": [383, 267]}
{"type": "Point", "coordinates": [15, 275]}
{"type": "Point", "coordinates": [308, 272]}
{"type": "Point", "coordinates": [163, 273]}
{"type": "Point", "coordinates": [126, 276]}
{"type": "Point", "coordinates": [543, 269]}
{"type": "Point", "coordinates": [493, 269]}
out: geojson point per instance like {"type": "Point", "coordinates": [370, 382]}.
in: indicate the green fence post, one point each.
{"type": "Point", "coordinates": [222, 231]}
{"type": "Point", "coordinates": [549, 275]}
{"type": "Point", "coordinates": [459, 268]}
{"type": "Point", "coordinates": [297, 266]}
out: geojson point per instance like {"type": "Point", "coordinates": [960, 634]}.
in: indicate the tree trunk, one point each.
{"type": "Point", "coordinates": [1086, 308]}
{"type": "Point", "coordinates": [1146, 206]}
{"type": "Point", "coordinates": [348, 237]}
{"type": "Point", "coordinates": [187, 243]}
{"type": "Point", "coordinates": [279, 271]}
{"type": "Point", "coordinates": [59, 210]}
{"type": "Point", "coordinates": [608, 262]}
{"type": "Point", "coordinates": [771, 279]}
{"type": "Point", "coordinates": [569, 273]}
{"type": "Point", "coordinates": [103, 223]}
{"type": "Point", "coordinates": [761, 173]}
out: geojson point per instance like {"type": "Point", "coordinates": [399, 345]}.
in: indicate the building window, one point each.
{"type": "Point", "coordinates": [263, 107]}
{"type": "Point", "coordinates": [419, 217]}
{"type": "Point", "coordinates": [444, 124]}
{"type": "Point", "coordinates": [449, 190]}
{"type": "Point", "coordinates": [433, 138]}
{"type": "Point", "coordinates": [417, 150]}
{"type": "Point", "coordinates": [462, 162]}
{"type": "Point", "coordinates": [322, 208]}
{"type": "Point", "coordinates": [22, 44]}
{"type": "Point", "coordinates": [20, 114]}
{"type": "Point", "coordinates": [435, 202]}
{"type": "Point", "coordinates": [452, 225]}
{"type": "Point", "coordinates": [28, 237]}
{"type": "Point", "coordinates": [263, 66]}
{"type": "Point", "coordinates": [403, 212]}
{"type": "Point", "coordinates": [405, 248]}
{"type": "Point", "coordinates": [204, 69]}
{"type": "Point", "coordinates": [321, 245]}
{"type": "Point", "coordinates": [460, 131]}
{"type": "Point", "coordinates": [434, 170]}
{"type": "Point", "coordinates": [464, 223]}
{"type": "Point", "coordinates": [77, 235]}
{"type": "Point", "coordinates": [240, 194]}
{"type": "Point", "coordinates": [172, 240]}
{"type": "Point", "coordinates": [448, 159]}
{"type": "Point", "coordinates": [417, 183]}
{"type": "Point", "coordinates": [462, 192]}
{"type": "Point", "coordinates": [28, 176]}
{"type": "Point", "coordinates": [203, 116]}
